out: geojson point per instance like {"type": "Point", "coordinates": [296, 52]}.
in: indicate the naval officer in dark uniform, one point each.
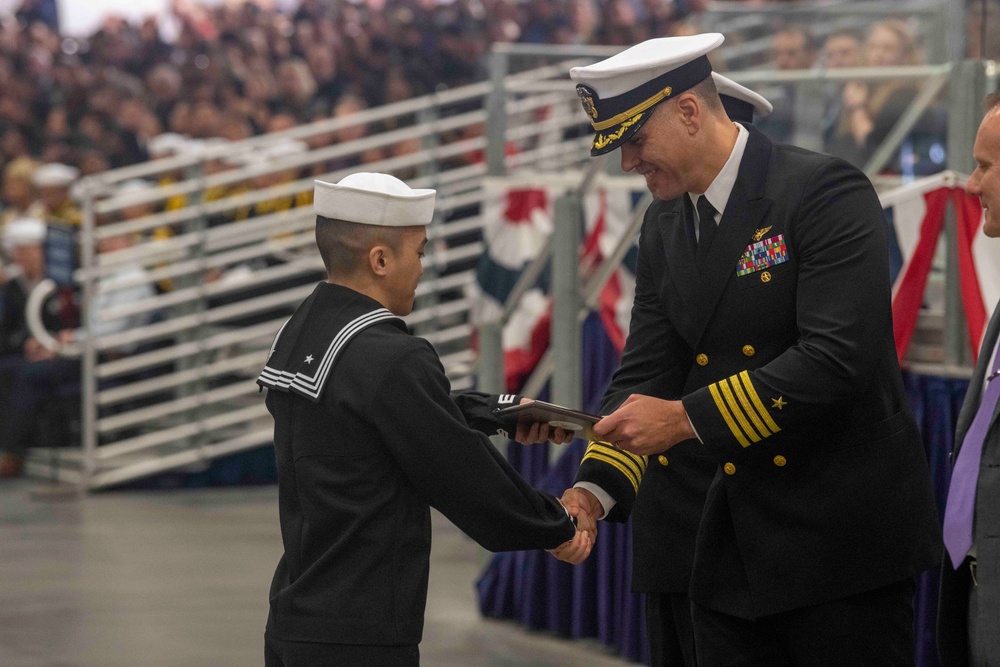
{"type": "Point", "coordinates": [760, 438]}
{"type": "Point", "coordinates": [368, 439]}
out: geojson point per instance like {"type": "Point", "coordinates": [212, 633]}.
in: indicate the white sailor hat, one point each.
{"type": "Point", "coordinates": [245, 158]}
{"type": "Point", "coordinates": [133, 185]}
{"type": "Point", "coordinates": [168, 143]}
{"type": "Point", "coordinates": [619, 92]}
{"type": "Point", "coordinates": [23, 231]}
{"type": "Point", "coordinates": [285, 147]}
{"type": "Point", "coordinates": [740, 102]}
{"type": "Point", "coordinates": [55, 174]}
{"type": "Point", "coordinates": [374, 199]}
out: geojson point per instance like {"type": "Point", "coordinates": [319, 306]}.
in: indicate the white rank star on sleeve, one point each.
{"type": "Point", "coordinates": [309, 359]}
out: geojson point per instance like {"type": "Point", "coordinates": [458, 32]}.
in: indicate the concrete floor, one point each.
{"type": "Point", "coordinates": [144, 579]}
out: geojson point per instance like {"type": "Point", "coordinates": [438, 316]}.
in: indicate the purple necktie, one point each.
{"type": "Point", "coordinates": [958, 514]}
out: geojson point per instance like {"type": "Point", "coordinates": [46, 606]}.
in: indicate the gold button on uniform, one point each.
{"type": "Point", "coordinates": [662, 459]}
{"type": "Point", "coordinates": [729, 468]}
{"type": "Point", "coordinates": [780, 460]}
{"type": "Point", "coordinates": [702, 359]}
{"type": "Point", "coordinates": [765, 277]}
{"type": "Point", "coordinates": [749, 351]}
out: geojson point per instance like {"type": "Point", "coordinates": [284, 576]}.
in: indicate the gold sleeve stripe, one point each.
{"type": "Point", "coordinates": [745, 402]}
{"type": "Point", "coordinates": [629, 475]}
{"type": "Point", "coordinates": [636, 463]}
{"type": "Point", "coordinates": [752, 393]}
{"type": "Point", "coordinates": [724, 411]}
{"type": "Point", "coordinates": [737, 412]}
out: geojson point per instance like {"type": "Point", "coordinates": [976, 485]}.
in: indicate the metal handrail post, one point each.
{"type": "Point", "coordinates": [965, 96]}
{"type": "Point", "coordinates": [490, 371]}
{"type": "Point", "coordinates": [567, 300]}
{"type": "Point", "coordinates": [496, 115]}
{"type": "Point", "coordinates": [88, 370]}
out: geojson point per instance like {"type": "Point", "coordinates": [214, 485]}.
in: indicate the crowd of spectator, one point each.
{"type": "Point", "coordinates": [235, 70]}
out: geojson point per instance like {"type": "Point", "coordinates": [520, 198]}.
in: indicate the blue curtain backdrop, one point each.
{"type": "Point", "coordinates": [594, 599]}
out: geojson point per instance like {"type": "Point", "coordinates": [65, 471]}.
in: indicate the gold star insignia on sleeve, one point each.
{"type": "Point", "coordinates": [779, 402]}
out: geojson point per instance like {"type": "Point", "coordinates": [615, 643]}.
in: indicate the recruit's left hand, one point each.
{"type": "Point", "coordinates": [645, 425]}
{"type": "Point", "coordinates": [576, 550]}
{"type": "Point", "coordinates": [533, 433]}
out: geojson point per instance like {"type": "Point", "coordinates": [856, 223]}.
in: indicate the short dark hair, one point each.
{"type": "Point", "coordinates": [992, 101]}
{"type": "Point", "coordinates": [344, 245]}
{"type": "Point", "coordinates": [706, 91]}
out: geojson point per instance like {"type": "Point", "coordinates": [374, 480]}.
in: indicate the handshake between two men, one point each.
{"type": "Point", "coordinates": [642, 425]}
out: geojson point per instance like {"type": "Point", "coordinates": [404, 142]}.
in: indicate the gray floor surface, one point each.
{"type": "Point", "coordinates": [144, 579]}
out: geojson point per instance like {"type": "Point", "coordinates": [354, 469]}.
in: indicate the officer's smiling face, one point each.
{"type": "Point", "coordinates": [404, 269]}
{"type": "Point", "coordinates": [658, 151]}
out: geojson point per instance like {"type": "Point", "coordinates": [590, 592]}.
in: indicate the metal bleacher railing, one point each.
{"type": "Point", "coordinates": [179, 390]}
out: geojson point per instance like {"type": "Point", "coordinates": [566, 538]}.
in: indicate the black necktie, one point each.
{"type": "Point", "coordinates": [706, 228]}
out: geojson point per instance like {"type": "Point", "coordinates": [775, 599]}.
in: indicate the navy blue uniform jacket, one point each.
{"type": "Point", "coordinates": [368, 439]}
{"type": "Point", "coordinates": [811, 482]}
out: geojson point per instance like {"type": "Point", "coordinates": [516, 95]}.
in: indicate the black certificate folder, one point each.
{"type": "Point", "coordinates": [553, 415]}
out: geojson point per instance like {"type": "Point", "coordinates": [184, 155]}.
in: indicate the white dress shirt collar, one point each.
{"type": "Point", "coordinates": [720, 189]}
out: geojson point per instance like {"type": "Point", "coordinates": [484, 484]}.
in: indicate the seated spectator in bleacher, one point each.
{"type": "Point", "coordinates": [871, 110]}
{"type": "Point", "coordinates": [842, 48]}
{"type": "Point", "coordinates": [792, 48]}
{"type": "Point", "coordinates": [130, 284]}
{"type": "Point", "coordinates": [620, 24]}
{"type": "Point", "coordinates": [53, 182]}
{"type": "Point", "coordinates": [18, 198]}
{"type": "Point", "coordinates": [297, 88]}
{"type": "Point", "coordinates": [982, 30]}
{"type": "Point", "coordinates": [29, 372]}
{"type": "Point", "coordinates": [348, 106]}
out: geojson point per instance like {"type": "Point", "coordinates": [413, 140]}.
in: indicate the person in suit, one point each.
{"type": "Point", "coordinates": [969, 605]}
{"type": "Point", "coordinates": [368, 439]}
{"type": "Point", "coordinates": [758, 433]}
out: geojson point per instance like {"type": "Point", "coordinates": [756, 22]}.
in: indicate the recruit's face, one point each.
{"type": "Point", "coordinates": [659, 151]}
{"type": "Point", "coordinates": [403, 270]}
{"type": "Point", "coordinates": [985, 180]}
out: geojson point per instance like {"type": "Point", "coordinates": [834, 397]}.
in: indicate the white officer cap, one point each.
{"type": "Point", "coordinates": [374, 199]}
{"type": "Point", "coordinates": [740, 102]}
{"type": "Point", "coordinates": [619, 92]}
{"type": "Point", "coordinates": [55, 175]}
{"type": "Point", "coordinates": [23, 231]}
